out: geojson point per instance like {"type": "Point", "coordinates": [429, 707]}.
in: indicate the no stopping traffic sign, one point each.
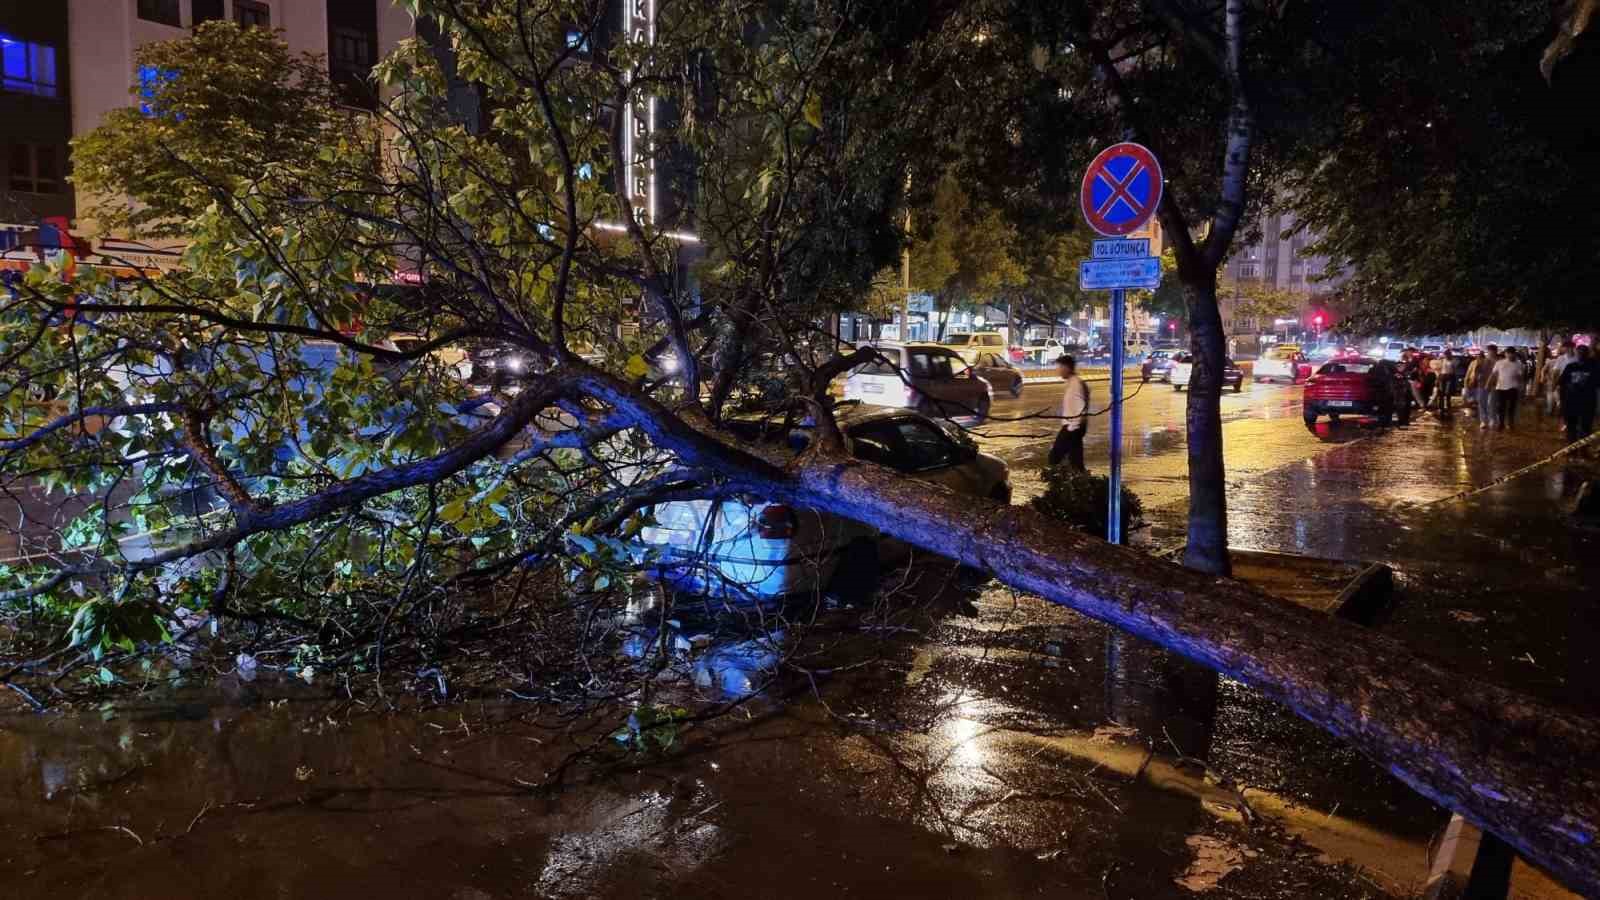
{"type": "Point", "coordinates": [1121, 189]}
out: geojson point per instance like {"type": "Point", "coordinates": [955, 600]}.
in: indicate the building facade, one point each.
{"type": "Point", "coordinates": [35, 111]}
{"type": "Point", "coordinates": [68, 63]}
{"type": "Point", "coordinates": [1283, 263]}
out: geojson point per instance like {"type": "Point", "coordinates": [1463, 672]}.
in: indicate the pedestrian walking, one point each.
{"type": "Point", "coordinates": [1552, 376]}
{"type": "Point", "coordinates": [1074, 415]}
{"type": "Point", "coordinates": [1482, 372]}
{"type": "Point", "coordinates": [1506, 381]}
{"type": "Point", "coordinates": [1579, 385]}
{"type": "Point", "coordinates": [1443, 369]}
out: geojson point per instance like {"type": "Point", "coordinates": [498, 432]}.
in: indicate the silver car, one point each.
{"type": "Point", "coordinates": [751, 549]}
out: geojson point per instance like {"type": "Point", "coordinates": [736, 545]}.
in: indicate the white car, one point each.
{"type": "Point", "coordinates": [930, 378]}
{"type": "Point", "coordinates": [1284, 363]}
{"type": "Point", "coordinates": [970, 343]}
{"type": "Point", "coordinates": [1182, 372]}
{"type": "Point", "coordinates": [1045, 352]}
{"type": "Point", "coordinates": [752, 549]}
{"type": "Point", "coordinates": [1391, 350]}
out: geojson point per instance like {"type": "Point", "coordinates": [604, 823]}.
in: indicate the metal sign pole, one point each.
{"type": "Point", "coordinates": [1118, 345]}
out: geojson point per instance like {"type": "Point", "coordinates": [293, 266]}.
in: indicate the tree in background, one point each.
{"type": "Point", "coordinates": [212, 112]}
{"type": "Point", "coordinates": [1456, 202]}
{"type": "Point", "coordinates": [964, 253]}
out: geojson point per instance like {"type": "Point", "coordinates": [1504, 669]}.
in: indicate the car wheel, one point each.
{"type": "Point", "coordinates": [1310, 416]}
{"type": "Point", "coordinates": [855, 580]}
{"type": "Point", "coordinates": [983, 409]}
{"type": "Point", "coordinates": [1016, 388]}
{"type": "Point", "coordinates": [1001, 494]}
{"type": "Point", "coordinates": [1386, 418]}
{"type": "Point", "coordinates": [1177, 388]}
{"type": "Point", "coordinates": [1238, 386]}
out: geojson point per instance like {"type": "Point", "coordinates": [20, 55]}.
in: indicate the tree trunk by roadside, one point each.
{"type": "Point", "coordinates": [1207, 546]}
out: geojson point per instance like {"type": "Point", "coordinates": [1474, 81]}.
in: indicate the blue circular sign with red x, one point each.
{"type": "Point", "coordinates": [1121, 189]}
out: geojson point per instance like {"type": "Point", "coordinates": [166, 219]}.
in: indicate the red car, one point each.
{"type": "Point", "coordinates": [1357, 386]}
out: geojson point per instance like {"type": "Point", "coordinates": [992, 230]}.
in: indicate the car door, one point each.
{"type": "Point", "coordinates": [995, 370]}
{"type": "Point", "coordinates": [934, 371]}
{"type": "Point", "coordinates": [916, 447]}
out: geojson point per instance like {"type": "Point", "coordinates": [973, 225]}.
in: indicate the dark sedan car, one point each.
{"type": "Point", "coordinates": [1157, 366]}
{"type": "Point", "coordinates": [1000, 372]}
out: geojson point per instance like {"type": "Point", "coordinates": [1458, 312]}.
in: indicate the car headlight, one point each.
{"type": "Point", "coordinates": [515, 364]}
{"type": "Point", "coordinates": [669, 364]}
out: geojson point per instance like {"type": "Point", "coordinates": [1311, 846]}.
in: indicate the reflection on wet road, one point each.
{"type": "Point", "coordinates": [1261, 429]}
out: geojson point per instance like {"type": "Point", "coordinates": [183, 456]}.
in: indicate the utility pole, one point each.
{"type": "Point", "coordinates": [905, 271]}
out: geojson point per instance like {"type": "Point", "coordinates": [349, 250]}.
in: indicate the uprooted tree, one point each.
{"type": "Point", "coordinates": [277, 432]}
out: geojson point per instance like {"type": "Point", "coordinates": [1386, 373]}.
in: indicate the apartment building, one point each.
{"type": "Point", "coordinates": [1282, 262]}
{"type": "Point", "coordinates": [67, 63]}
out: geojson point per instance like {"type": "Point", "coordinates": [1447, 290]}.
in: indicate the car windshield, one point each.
{"type": "Point", "coordinates": [957, 340]}
{"type": "Point", "coordinates": [1352, 367]}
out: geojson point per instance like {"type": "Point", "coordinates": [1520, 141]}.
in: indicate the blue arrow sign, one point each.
{"type": "Point", "coordinates": [1111, 274]}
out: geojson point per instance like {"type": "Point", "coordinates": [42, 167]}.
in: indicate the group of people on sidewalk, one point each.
{"type": "Point", "coordinates": [1494, 384]}
{"type": "Point", "coordinates": [1491, 386]}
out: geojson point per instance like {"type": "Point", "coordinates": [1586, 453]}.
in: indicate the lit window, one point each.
{"type": "Point", "coordinates": [26, 67]}
{"type": "Point", "coordinates": [151, 80]}
{"type": "Point", "coordinates": [162, 11]}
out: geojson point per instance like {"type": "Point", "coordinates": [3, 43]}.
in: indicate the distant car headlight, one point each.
{"type": "Point", "coordinates": [668, 364]}
{"type": "Point", "coordinates": [515, 364]}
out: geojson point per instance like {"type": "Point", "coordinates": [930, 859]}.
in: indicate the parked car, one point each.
{"type": "Point", "coordinates": [1046, 351]}
{"type": "Point", "coordinates": [1157, 366]}
{"type": "Point", "coordinates": [1359, 385]}
{"type": "Point", "coordinates": [1182, 372]}
{"type": "Point", "coordinates": [1000, 372]}
{"type": "Point", "coordinates": [1285, 362]}
{"type": "Point", "coordinates": [752, 549]}
{"type": "Point", "coordinates": [970, 343]}
{"type": "Point", "coordinates": [1391, 350]}
{"type": "Point", "coordinates": [929, 378]}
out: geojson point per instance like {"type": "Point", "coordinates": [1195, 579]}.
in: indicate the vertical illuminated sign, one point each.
{"type": "Point", "coordinates": [639, 117]}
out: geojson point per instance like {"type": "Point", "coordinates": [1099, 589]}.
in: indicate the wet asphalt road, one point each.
{"type": "Point", "coordinates": [1261, 428]}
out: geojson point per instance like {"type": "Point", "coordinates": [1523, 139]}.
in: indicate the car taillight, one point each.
{"type": "Point", "coordinates": [776, 522]}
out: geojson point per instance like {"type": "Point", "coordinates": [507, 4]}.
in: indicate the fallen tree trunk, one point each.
{"type": "Point", "coordinates": [1513, 765]}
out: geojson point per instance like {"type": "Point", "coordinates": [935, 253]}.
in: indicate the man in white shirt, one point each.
{"type": "Point", "coordinates": [1505, 380]}
{"type": "Point", "coordinates": [1074, 415]}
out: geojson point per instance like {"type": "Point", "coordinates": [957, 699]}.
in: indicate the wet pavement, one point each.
{"type": "Point", "coordinates": [973, 762]}
{"type": "Point", "coordinates": [986, 754]}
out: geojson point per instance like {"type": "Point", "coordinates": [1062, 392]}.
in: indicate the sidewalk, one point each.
{"type": "Point", "coordinates": [1501, 584]}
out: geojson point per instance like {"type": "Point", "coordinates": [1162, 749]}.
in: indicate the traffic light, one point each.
{"type": "Point", "coordinates": [1317, 320]}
